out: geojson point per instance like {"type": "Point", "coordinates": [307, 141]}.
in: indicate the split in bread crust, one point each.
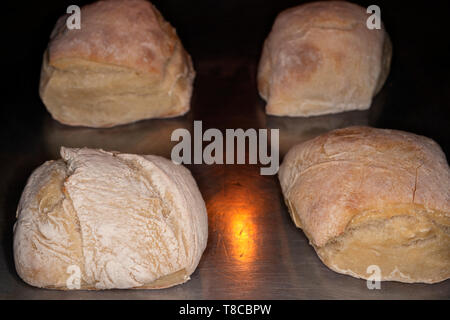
{"type": "Point", "coordinates": [366, 196]}
{"type": "Point", "coordinates": [124, 220]}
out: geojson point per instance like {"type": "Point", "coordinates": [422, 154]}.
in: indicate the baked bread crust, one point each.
{"type": "Point", "coordinates": [126, 63]}
{"type": "Point", "coordinates": [126, 221]}
{"type": "Point", "coordinates": [321, 58]}
{"type": "Point", "coordinates": [366, 196]}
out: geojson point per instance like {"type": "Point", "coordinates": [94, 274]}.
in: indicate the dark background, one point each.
{"type": "Point", "coordinates": [420, 32]}
{"type": "Point", "coordinates": [225, 39]}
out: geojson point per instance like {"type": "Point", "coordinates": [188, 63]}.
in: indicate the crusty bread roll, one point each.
{"type": "Point", "coordinates": [366, 196]}
{"type": "Point", "coordinates": [126, 63]}
{"type": "Point", "coordinates": [122, 220]}
{"type": "Point", "coordinates": [321, 58]}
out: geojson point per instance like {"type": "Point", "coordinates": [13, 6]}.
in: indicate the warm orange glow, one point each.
{"type": "Point", "coordinates": [243, 233]}
{"type": "Point", "coordinates": [234, 212]}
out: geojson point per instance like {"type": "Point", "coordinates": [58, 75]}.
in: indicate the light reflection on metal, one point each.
{"type": "Point", "coordinates": [236, 210]}
{"type": "Point", "coordinates": [243, 233]}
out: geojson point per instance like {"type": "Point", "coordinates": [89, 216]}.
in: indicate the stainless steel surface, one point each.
{"type": "Point", "coordinates": [254, 250]}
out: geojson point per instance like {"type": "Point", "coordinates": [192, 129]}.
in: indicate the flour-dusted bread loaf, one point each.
{"type": "Point", "coordinates": [121, 220]}
{"type": "Point", "coordinates": [126, 63]}
{"type": "Point", "coordinates": [321, 58]}
{"type": "Point", "coordinates": [366, 196]}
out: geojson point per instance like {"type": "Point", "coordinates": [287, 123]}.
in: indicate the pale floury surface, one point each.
{"type": "Point", "coordinates": [321, 58]}
{"type": "Point", "coordinates": [367, 196]}
{"type": "Point", "coordinates": [126, 63]}
{"type": "Point", "coordinates": [126, 221]}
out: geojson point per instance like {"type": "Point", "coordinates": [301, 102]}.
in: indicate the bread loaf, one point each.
{"type": "Point", "coordinates": [321, 58]}
{"type": "Point", "coordinates": [126, 63]}
{"type": "Point", "coordinates": [366, 196]}
{"type": "Point", "coordinates": [121, 220]}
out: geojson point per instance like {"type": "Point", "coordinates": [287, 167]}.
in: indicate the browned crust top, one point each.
{"type": "Point", "coordinates": [334, 177]}
{"type": "Point", "coordinates": [129, 33]}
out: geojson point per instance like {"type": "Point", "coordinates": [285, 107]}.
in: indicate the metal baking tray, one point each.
{"type": "Point", "coordinates": [254, 250]}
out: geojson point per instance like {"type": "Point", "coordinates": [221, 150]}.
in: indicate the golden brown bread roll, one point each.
{"type": "Point", "coordinates": [121, 220]}
{"type": "Point", "coordinates": [366, 196]}
{"type": "Point", "coordinates": [321, 58]}
{"type": "Point", "coordinates": [126, 63]}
